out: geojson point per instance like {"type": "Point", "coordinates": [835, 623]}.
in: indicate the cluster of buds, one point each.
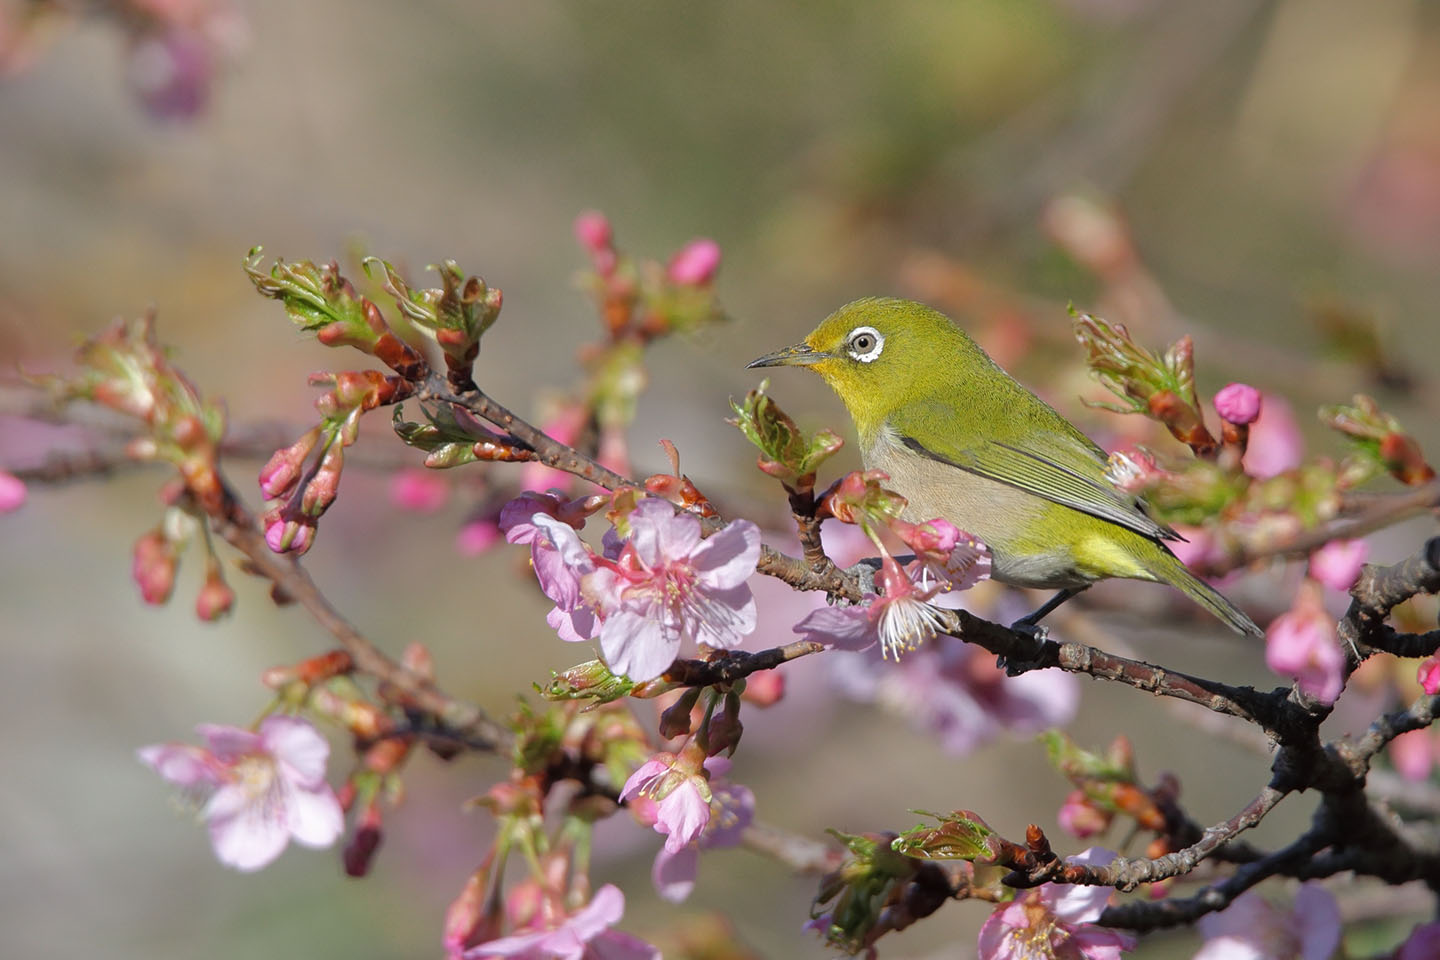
{"type": "Point", "coordinates": [1162, 388]}
{"type": "Point", "coordinates": [156, 560]}
{"type": "Point", "coordinates": [125, 368]}
{"type": "Point", "coordinates": [786, 452]}
{"type": "Point", "coordinates": [1379, 438]}
{"type": "Point", "coordinates": [1105, 786]}
{"type": "Point", "coordinates": [455, 316]}
{"type": "Point", "coordinates": [297, 495]}
{"type": "Point", "coordinates": [872, 892]}
{"type": "Point", "coordinates": [638, 301]}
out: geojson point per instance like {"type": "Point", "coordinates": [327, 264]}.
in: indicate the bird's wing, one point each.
{"type": "Point", "coordinates": [1060, 468]}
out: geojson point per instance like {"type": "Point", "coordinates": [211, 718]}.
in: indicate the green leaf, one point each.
{"type": "Point", "coordinates": [960, 835]}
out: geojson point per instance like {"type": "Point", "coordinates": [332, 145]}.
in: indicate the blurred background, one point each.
{"type": "Point", "coordinates": [1263, 175]}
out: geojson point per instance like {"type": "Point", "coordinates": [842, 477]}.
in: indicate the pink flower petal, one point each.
{"type": "Point", "coordinates": [605, 909]}
{"type": "Point", "coordinates": [637, 646]}
{"type": "Point", "coordinates": [181, 764]}
{"type": "Point", "coordinates": [659, 534]}
{"type": "Point", "coordinates": [728, 558]}
{"type": "Point", "coordinates": [843, 627]}
{"type": "Point", "coordinates": [1275, 441]}
{"type": "Point", "coordinates": [1338, 563]}
{"type": "Point", "coordinates": [674, 873]}
{"type": "Point", "coordinates": [1317, 917]}
{"type": "Point", "coordinates": [229, 743]}
{"type": "Point", "coordinates": [683, 813]}
{"type": "Point", "coordinates": [12, 492]}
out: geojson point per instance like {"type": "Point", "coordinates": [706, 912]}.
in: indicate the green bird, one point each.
{"type": "Point", "coordinates": [961, 439]}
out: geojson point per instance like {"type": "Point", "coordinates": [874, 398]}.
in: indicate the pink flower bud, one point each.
{"type": "Point", "coordinates": [1338, 563]}
{"type": "Point", "coordinates": [695, 264]}
{"type": "Point", "coordinates": [423, 491]}
{"type": "Point", "coordinates": [283, 468]}
{"type": "Point", "coordinates": [288, 536]}
{"type": "Point", "coordinates": [1429, 675]}
{"type": "Point", "coordinates": [1238, 403]}
{"type": "Point", "coordinates": [465, 920]}
{"type": "Point", "coordinates": [765, 688]}
{"type": "Point", "coordinates": [1080, 818]}
{"type": "Point", "coordinates": [594, 232]}
{"type": "Point", "coordinates": [215, 599]}
{"type": "Point", "coordinates": [1413, 754]}
{"type": "Point", "coordinates": [153, 567]}
{"type": "Point", "coordinates": [12, 492]}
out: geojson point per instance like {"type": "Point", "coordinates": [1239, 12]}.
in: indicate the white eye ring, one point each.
{"type": "Point", "coordinates": [865, 344]}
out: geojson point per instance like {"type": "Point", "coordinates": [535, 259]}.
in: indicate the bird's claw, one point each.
{"type": "Point", "coordinates": [1035, 631]}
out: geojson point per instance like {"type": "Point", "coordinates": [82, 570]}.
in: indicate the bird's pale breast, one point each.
{"type": "Point", "coordinates": [1011, 522]}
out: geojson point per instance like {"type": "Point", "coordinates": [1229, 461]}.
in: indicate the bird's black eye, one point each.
{"type": "Point", "coordinates": [863, 343]}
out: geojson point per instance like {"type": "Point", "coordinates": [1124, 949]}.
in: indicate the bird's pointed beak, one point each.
{"type": "Point", "coordinates": [800, 355]}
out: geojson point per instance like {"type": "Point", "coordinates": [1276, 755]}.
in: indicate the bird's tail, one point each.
{"type": "Point", "coordinates": [1175, 573]}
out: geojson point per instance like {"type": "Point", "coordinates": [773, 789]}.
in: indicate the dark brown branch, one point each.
{"type": "Point", "coordinates": [730, 665]}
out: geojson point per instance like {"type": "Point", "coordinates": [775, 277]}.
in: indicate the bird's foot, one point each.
{"type": "Point", "coordinates": [1035, 631]}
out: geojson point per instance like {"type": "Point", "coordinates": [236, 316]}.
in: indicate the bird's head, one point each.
{"type": "Point", "coordinates": [876, 353]}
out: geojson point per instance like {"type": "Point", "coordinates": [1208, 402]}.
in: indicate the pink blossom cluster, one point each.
{"type": "Point", "coordinates": [646, 595]}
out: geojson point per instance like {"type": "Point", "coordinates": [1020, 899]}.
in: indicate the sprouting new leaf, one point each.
{"type": "Point", "coordinates": [960, 835]}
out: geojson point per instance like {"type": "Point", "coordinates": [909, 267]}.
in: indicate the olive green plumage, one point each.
{"type": "Point", "coordinates": [961, 439]}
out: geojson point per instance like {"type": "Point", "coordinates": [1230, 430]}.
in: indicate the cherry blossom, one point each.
{"type": "Point", "coordinates": [260, 789]}
{"type": "Point", "coordinates": [1301, 643]}
{"type": "Point", "coordinates": [1055, 922]}
{"type": "Point", "coordinates": [1252, 929]}
{"type": "Point", "coordinates": [1338, 563]}
{"type": "Point", "coordinates": [647, 595]}
{"type": "Point", "coordinates": [583, 935]}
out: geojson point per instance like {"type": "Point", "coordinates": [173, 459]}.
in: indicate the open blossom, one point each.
{"type": "Point", "coordinates": [1055, 921]}
{"type": "Point", "coordinates": [1252, 929]}
{"type": "Point", "coordinates": [663, 587]}
{"type": "Point", "coordinates": [1301, 643]}
{"type": "Point", "coordinates": [1338, 563]}
{"type": "Point", "coordinates": [902, 618]}
{"type": "Point", "coordinates": [584, 935]}
{"type": "Point", "coordinates": [953, 691]}
{"type": "Point", "coordinates": [260, 789]}
{"type": "Point", "coordinates": [677, 794]}
{"type": "Point", "coordinates": [731, 808]}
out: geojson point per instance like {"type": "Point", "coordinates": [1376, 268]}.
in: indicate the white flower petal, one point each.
{"type": "Point", "coordinates": [314, 817]}
{"type": "Point", "coordinates": [249, 839]}
{"type": "Point", "coordinates": [297, 745]}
